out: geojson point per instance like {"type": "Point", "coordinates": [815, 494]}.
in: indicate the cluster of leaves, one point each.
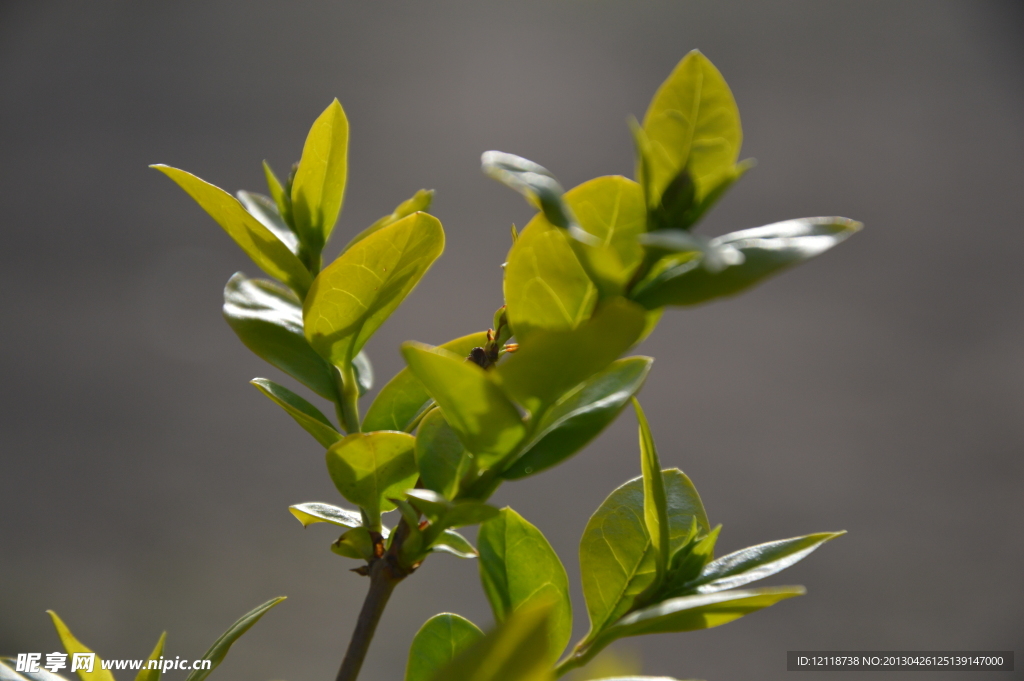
{"type": "Point", "coordinates": [586, 280]}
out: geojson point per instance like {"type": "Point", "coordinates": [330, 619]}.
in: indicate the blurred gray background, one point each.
{"type": "Point", "coordinates": [878, 389]}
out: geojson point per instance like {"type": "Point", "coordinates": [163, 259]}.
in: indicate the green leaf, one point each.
{"type": "Point", "coordinates": [580, 415]}
{"type": "Point", "coordinates": [617, 561]}
{"type": "Point", "coordinates": [703, 611]}
{"type": "Point", "coordinates": [757, 562]}
{"type": "Point", "coordinates": [446, 513]}
{"type": "Point", "coordinates": [437, 643]}
{"type": "Point", "coordinates": [549, 364]}
{"type": "Point", "coordinates": [440, 455]}
{"type": "Point", "coordinates": [319, 512]}
{"type": "Point", "coordinates": [220, 647]}
{"type": "Point", "coordinates": [267, 318]}
{"type": "Point", "coordinates": [692, 123]}
{"type": "Point", "coordinates": [476, 408]}
{"type": "Point", "coordinates": [153, 674]}
{"type": "Point", "coordinates": [516, 650]}
{"type": "Point", "coordinates": [655, 501]}
{"type": "Point", "coordinates": [319, 184]}
{"type": "Point", "coordinates": [72, 645]}
{"type": "Point", "coordinates": [281, 197]}
{"type": "Point", "coordinates": [258, 242]}
{"type": "Point", "coordinates": [370, 468]}
{"type": "Point", "coordinates": [454, 543]}
{"type": "Point", "coordinates": [355, 543]}
{"type": "Point", "coordinates": [265, 210]}
{"type": "Point", "coordinates": [356, 293]}
{"type": "Point", "coordinates": [305, 414]}
{"type": "Point", "coordinates": [404, 398]}
{"type": "Point", "coordinates": [420, 201]}
{"type": "Point", "coordinates": [519, 568]}
{"type": "Point", "coordinates": [687, 562]}
{"type": "Point", "coordinates": [612, 210]}
{"type": "Point", "coordinates": [762, 251]}
{"type": "Point", "coordinates": [546, 287]}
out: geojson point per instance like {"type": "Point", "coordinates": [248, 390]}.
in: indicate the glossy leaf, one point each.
{"type": "Point", "coordinates": [612, 210]}
{"type": "Point", "coordinates": [152, 674]}
{"type": "Point", "coordinates": [72, 645]}
{"type": "Point", "coordinates": [319, 512]}
{"type": "Point", "coordinates": [655, 501]}
{"type": "Point", "coordinates": [692, 123]}
{"type": "Point", "coordinates": [549, 364]}
{"type": "Point", "coordinates": [404, 397]}
{"type": "Point", "coordinates": [319, 184]}
{"type": "Point", "coordinates": [420, 201]}
{"type": "Point", "coordinates": [546, 287]}
{"type": "Point", "coordinates": [370, 468]}
{"type": "Point", "coordinates": [580, 415]}
{"type": "Point", "coordinates": [764, 250]}
{"type": "Point", "coordinates": [703, 611]}
{"type": "Point", "coordinates": [267, 318]}
{"type": "Point", "coordinates": [519, 568]}
{"type": "Point", "coordinates": [364, 372]}
{"type": "Point", "coordinates": [265, 210]}
{"type": "Point", "coordinates": [258, 242]}
{"type": "Point", "coordinates": [305, 414]}
{"type": "Point", "coordinates": [437, 643]}
{"type": "Point", "coordinates": [7, 672]}
{"type": "Point", "coordinates": [476, 408]}
{"type": "Point", "coordinates": [757, 562]}
{"type": "Point", "coordinates": [446, 513]}
{"type": "Point", "coordinates": [616, 558]}
{"type": "Point", "coordinates": [530, 179]}
{"type": "Point", "coordinates": [219, 650]}
{"type": "Point", "coordinates": [356, 293]}
{"type": "Point", "coordinates": [440, 455]}
{"type": "Point", "coordinates": [454, 543]}
{"type": "Point", "coordinates": [516, 650]}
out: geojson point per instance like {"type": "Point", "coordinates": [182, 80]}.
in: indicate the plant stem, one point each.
{"type": "Point", "coordinates": [348, 398]}
{"type": "Point", "coordinates": [382, 583]}
{"type": "Point", "coordinates": [580, 655]}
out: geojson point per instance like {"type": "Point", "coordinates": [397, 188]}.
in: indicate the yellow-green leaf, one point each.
{"type": "Point", "coordinates": [546, 287]}
{"type": "Point", "coordinates": [550, 363]}
{"type": "Point", "coordinates": [356, 293]}
{"type": "Point", "coordinates": [259, 243]}
{"type": "Point", "coordinates": [486, 421]}
{"type": "Point", "coordinates": [153, 674]}
{"type": "Point", "coordinates": [219, 650]}
{"type": "Point", "coordinates": [403, 398]}
{"type": "Point", "coordinates": [692, 123]}
{"type": "Point", "coordinates": [369, 468]}
{"type": "Point", "coordinates": [72, 645]}
{"type": "Point", "coordinates": [612, 209]}
{"type": "Point", "coordinates": [440, 455]}
{"type": "Point", "coordinates": [420, 201]}
{"type": "Point", "coordinates": [319, 185]}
